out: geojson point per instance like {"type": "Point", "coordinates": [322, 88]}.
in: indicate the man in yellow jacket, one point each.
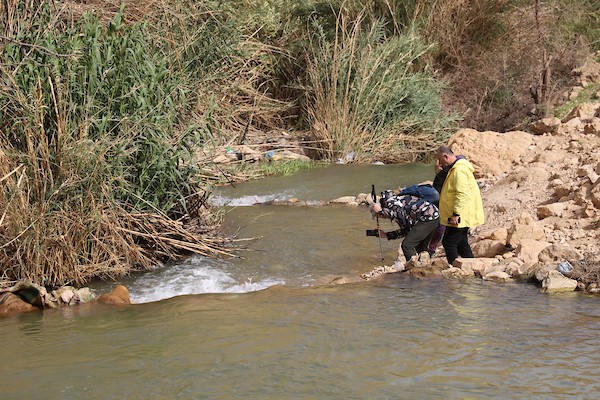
{"type": "Point", "coordinates": [461, 207]}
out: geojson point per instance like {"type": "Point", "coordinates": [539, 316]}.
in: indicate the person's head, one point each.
{"type": "Point", "coordinates": [445, 156]}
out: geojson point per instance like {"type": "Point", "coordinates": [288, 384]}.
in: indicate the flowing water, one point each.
{"type": "Point", "coordinates": [259, 327]}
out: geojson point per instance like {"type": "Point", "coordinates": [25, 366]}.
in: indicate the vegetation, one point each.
{"type": "Point", "coordinates": [287, 167]}
{"type": "Point", "coordinates": [586, 94]}
{"type": "Point", "coordinates": [111, 113]}
{"type": "Point", "coordinates": [367, 95]}
{"type": "Point", "coordinates": [95, 172]}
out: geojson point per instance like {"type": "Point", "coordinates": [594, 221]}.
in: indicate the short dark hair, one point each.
{"type": "Point", "coordinates": [445, 150]}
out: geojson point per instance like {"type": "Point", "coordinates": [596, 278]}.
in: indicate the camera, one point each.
{"type": "Point", "coordinates": [373, 232]}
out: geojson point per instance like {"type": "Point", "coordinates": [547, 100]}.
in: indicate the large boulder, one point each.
{"type": "Point", "coordinates": [491, 153]}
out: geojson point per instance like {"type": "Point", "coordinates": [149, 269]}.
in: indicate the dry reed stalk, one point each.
{"type": "Point", "coordinates": [108, 243]}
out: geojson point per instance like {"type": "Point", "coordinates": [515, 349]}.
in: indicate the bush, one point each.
{"type": "Point", "coordinates": [93, 160]}
{"type": "Point", "coordinates": [369, 94]}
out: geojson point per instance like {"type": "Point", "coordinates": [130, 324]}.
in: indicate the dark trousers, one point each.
{"type": "Point", "coordinates": [417, 239]}
{"type": "Point", "coordinates": [436, 238]}
{"type": "Point", "coordinates": [456, 243]}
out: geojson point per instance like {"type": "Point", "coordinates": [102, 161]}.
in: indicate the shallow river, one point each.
{"type": "Point", "coordinates": [257, 327]}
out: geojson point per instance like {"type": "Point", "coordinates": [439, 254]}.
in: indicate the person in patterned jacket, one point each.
{"type": "Point", "coordinates": [416, 217]}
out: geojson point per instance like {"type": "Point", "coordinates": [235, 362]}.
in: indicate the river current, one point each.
{"type": "Point", "coordinates": [258, 326]}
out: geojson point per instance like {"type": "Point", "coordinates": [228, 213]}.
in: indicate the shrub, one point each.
{"type": "Point", "coordinates": [369, 94]}
{"type": "Point", "coordinates": [93, 161]}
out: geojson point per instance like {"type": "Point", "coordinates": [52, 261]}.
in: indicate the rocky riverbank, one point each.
{"type": "Point", "coordinates": [541, 195]}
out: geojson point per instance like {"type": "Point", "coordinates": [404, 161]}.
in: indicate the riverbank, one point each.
{"type": "Point", "coordinates": [541, 195]}
{"type": "Point", "coordinates": [540, 190]}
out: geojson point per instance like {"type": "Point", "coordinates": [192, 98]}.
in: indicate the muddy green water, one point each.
{"type": "Point", "coordinates": [257, 327]}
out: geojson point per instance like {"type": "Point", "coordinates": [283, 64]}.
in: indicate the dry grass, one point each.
{"type": "Point", "coordinates": [368, 95]}
{"type": "Point", "coordinates": [502, 62]}
{"type": "Point", "coordinates": [587, 270]}
{"type": "Point", "coordinates": [87, 235]}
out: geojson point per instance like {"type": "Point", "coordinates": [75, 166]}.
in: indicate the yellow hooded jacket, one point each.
{"type": "Point", "coordinates": [460, 194]}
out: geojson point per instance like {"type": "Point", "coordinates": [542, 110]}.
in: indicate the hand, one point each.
{"type": "Point", "coordinates": [376, 208]}
{"type": "Point", "coordinates": [454, 220]}
{"type": "Point", "coordinates": [382, 234]}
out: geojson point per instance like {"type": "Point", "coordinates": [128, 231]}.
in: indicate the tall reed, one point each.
{"type": "Point", "coordinates": [369, 93]}
{"type": "Point", "coordinates": [94, 167]}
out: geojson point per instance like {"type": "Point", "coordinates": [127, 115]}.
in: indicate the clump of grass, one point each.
{"type": "Point", "coordinates": [287, 167]}
{"type": "Point", "coordinates": [587, 94]}
{"type": "Point", "coordinates": [97, 177]}
{"type": "Point", "coordinates": [369, 94]}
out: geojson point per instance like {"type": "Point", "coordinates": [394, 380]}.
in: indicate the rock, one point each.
{"type": "Point", "coordinates": [430, 271]}
{"type": "Point", "coordinates": [378, 271]}
{"type": "Point", "coordinates": [513, 269]}
{"type": "Point", "coordinates": [497, 276]}
{"type": "Point", "coordinates": [529, 250]}
{"type": "Point", "coordinates": [524, 227]}
{"type": "Point", "coordinates": [66, 296]}
{"type": "Point", "coordinates": [575, 92]}
{"type": "Point", "coordinates": [570, 127]}
{"type": "Point", "coordinates": [584, 111]}
{"type": "Point", "coordinates": [593, 177]}
{"type": "Point", "coordinates": [290, 155]}
{"type": "Point", "coordinates": [363, 198]}
{"type": "Point", "coordinates": [440, 263]}
{"type": "Point", "coordinates": [477, 265]}
{"type": "Point", "coordinates": [500, 234]}
{"type": "Point", "coordinates": [592, 127]}
{"type": "Point", "coordinates": [588, 72]}
{"type": "Point", "coordinates": [488, 248]}
{"type": "Point", "coordinates": [558, 252]}
{"type": "Point", "coordinates": [454, 272]}
{"type": "Point", "coordinates": [495, 267]}
{"type": "Point", "coordinates": [119, 295]}
{"type": "Point", "coordinates": [524, 272]}
{"type": "Point", "coordinates": [561, 191]}
{"type": "Point", "coordinates": [496, 234]}
{"type": "Point", "coordinates": [556, 282]}
{"type": "Point", "coordinates": [595, 196]}
{"type": "Point", "coordinates": [11, 303]}
{"type": "Point", "coordinates": [542, 270]}
{"type": "Point", "coordinates": [421, 260]}
{"type": "Point", "coordinates": [544, 125]}
{"type": "Point", "coordinates": [347, 200]}
{"type": "Point", "coordinates": [551, 210]}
